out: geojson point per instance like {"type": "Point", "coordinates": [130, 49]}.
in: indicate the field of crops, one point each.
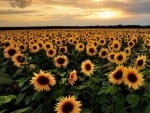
{"type": "Point", "coordinates": [75, 71]}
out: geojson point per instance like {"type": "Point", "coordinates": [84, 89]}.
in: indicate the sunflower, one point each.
{"type": "Point", "coordinates": [72, 77]}
{"type": "Point", "coordinates": [43, 81]}
{"type": "Point", "coordinates": [47, 45]}
{"type": "Point", "coordinates": [111, 56]}
{"type": "Point", "coordinates": [79, 47]}
{"type": "Point", "coordinates": [61, 61]}
{"type": "Point", "coordinates": [120, 57]}
{"type": "Point", "coordinates": [34, 48]}
{"type": "Point", "coordinates": [22, 47]}
{"type": "Point", "coordinates": [63, 49]}
{"type": "Point", "coordinates": [10, 51]}
{"type": "Point", "coordinates": [127, 50]}
{"type": "Point", "coordinates": [102, 41]}
{"type": "Point", "coordinates": [51, 52]}
{"type": "Point", "coordinates": [91, 50]}
{"type": "Point", "coordinates": [131, 43]}
{"type": "Point", "coordinates": [133, 79]}
{"type": "Point", "coordinates": [103, 53]}
{"type": "Point", "coordinates": [68, 105]}
{"type": "Point", "coordinates": [18, 59]}
{"type": "Point", "coordinates": [116, 45]}
{"type": "Point", "coordinates": [140, 62]}
{"type": "Point", "coordinates": [87, 67]}
{"type": "Point", "coordinates": [116, 76]}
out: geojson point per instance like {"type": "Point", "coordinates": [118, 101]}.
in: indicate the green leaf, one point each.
{"type": "Point", "coordinates": [19, 98]}
{"type": "Point", "coordinates": [5, 79]}
{"type": "Point", "coordinates": [85, 110]}
{"type": "Point", "coordinates": [3, 111]}
{"type": "Point", "coordinates": [147, 109]}
{"type": "Point", "coordinates": [23, 110]}
{"type": "Point", "coordinates": [133, 99]}
{"type": "Point", "coordinates": [38, 109]}
{"type": "Point", "coordinates": [6, 99]}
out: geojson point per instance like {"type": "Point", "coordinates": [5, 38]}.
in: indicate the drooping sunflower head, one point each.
{"type": "Point", "coordinates": [10, 51]}
{"type": "Point", "coordinates": [117, 75]}
{"type": "Point", "coordinates": [61, 61]}
{"type": "Point", "coordinates": [87, 67]}
{"type": "Point", "coordinates": [120, 57]}
{"type": "Point", "coordinates": [68, 105]}
{"type": "Point", "coordinates": [133, 79]}
{"type": "Point", "coordinates": [43, 81]}
{"type": "Point", "coordinates": [91, 50]}
{"type": "Point", "coordinates": [72, 77]}
{"type": "Point", "coordinates": [103, 53]}
{"type": "Point", "coordinates": [140, 62]}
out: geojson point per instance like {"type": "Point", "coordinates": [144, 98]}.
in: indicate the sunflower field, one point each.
{"type": "Point", "coordinates": [75, 71]}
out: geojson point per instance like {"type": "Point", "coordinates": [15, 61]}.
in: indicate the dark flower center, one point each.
{"type": "Point", "coordinates": [132, 77]}
{"type": "Point", "coordinates": [7, 44]}
{"type": "Point", "coordinates": [67, 107]}
{"type": "Point", "coordinates": [50, 52]}
{"type": "Point", "coordinates": [47, 46]}
{"type": "Point", "coordinates": [120, 57]}
{"type": "Point", "coordinates": [20, 58]}
{"type": "Point", "coordinates": [104, 53]}
{"type": "Point", "coordinates": [88, 67]}
{"type": "Point", "coordinates": [131, 43]}
{"type": "Point", "coordinates": [116, 46]}
{"type": "Point", "coordinates": [80, 46]}
{"type": "Point", "coordinates": [118, 75]}
{"type": "Point", "coordinates": [91, 50]}
{"type": "Point", "coordinates": [62, 50]}
{"type": "Point", "coordinates": [22, 47]}
{"type": "Point", "coordinates": [102, 41]}
{"type": "Point", "coordinates": [34, 47]}
{"type": "Point", "coordinates": [140, 62]}
{"type": "Point", "coordinates": [112, 56]}
{"type": "Point", "coordinates": [43, 80]}
{"type": "Point", "coordinates": [61, 60]}
{"type": "Point", "coordinates": [11, 52]}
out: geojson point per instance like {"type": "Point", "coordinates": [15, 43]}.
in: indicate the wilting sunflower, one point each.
{"type": "Point", "coordinates": [51, 52]}
{"type": "Point", "coordinates": [43, 81]}
{"type": "Point", "coordinates": [111, 56]}
{"type": "Point", "coordinates": [68, 105]}
{"type": "Point", "coordinates": [120, 57]}
{"type": "Point", "coordinates": [79, 47]}
{"type": "Point", "coordinates": [72, 77]}
{"type": "Point", "coordinates": [61, 61]}
{"type": "Point", "coordinates": [133, 79]}
{"type": "Point", "coordinates": [91, 50]}
{"type": "Point", "coordinates": [87, 67]}
{"type": "Point", "coordinates": [140, 62]}
{"type": "Point", "coordinates": [103, 53]}
{"type": "Point", "coordinates": [10, 51]}
{"type": "Point", "coordinates": [18, 59]}
{"type": "Point", "coordinates": [116, 76]}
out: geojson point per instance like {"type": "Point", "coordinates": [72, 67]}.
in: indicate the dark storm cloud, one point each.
{"type": "Point", "coordinates": [6, 12]}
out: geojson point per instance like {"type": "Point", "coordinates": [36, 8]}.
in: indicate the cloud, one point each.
{"type": "Point", "coordinates": [6, 12]}
{"type": "Point", "coordinates": [20, 3]}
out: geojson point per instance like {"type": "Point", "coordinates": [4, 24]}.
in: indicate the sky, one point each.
{"type": "Point", "coordinates": [73, 12]}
